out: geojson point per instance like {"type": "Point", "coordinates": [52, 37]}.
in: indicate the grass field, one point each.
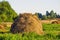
{"type": "Point", "coordinates": [51, 32]}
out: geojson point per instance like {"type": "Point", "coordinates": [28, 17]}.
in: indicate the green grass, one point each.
{"type": "Point", "coordinates": [30, 36]}
{"type": "Point", "coordinates": [51, 27]}
{"type": "Point", "coordinates": [51, 32]}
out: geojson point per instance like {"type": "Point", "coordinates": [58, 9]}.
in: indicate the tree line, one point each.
{"type": "Point", "coordinates": [48, 15]}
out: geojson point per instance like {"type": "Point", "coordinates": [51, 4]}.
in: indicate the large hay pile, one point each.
{"type": "Point", "coordinates": [27, 23]}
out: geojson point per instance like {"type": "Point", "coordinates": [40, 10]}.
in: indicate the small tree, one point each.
{"type": "Point", "coordinates": [47, 13]}
{"type": "Point", "coordinates": [52, 14]}
{"type": "Point", "coordinates": [39, 15]}
{"type": "Point", "coordinates": [58, 16]}
{"type": "Point", "coordinates": [48, 17]}
{"type": "Point", "coordinates": [44, 17]}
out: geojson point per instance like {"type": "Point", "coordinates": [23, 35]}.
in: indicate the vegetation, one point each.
{"type": "Point", "coordinates": [7, 14]}
{"type": "Point", "coordinates": [30, 36]}
{"type": "Point", "coordinates": [51, 32]}
{"type": "Point", "coordinates": [51, 27]}
{"type": "Point", "coordinates": [48, 15]}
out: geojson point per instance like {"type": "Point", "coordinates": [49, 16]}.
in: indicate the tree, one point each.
{"type": "Point", "coordinates": [44, 17]}
{"type": "Point", "coordinates": [47, 13]}
{"type": "Point", "coordinates": [48, 17]}
{"type": "Point", "coordinates": [58, 16]}
{"type": "Point", "coordinates": [3, 17]}
{"type": "Point", "coordinates": [55, 15]}
{"type": "Point", "coordinates": [39, 15]}
{"type": "Point", "coordinates": [6, 12]}
{"type": "Point", "coordinates": [52, 14]}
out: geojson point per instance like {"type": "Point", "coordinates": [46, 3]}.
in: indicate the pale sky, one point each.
{"type": "Point", "coordinates": [33, 6]}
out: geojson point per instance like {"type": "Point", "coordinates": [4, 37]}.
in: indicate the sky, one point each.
{"type": "Point", "coordinates": [32, 6]}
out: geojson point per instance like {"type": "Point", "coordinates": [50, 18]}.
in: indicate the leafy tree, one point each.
{"type": "Point", "coordinates": [58, 16]}
{"type": "Point", "coordinates": [39, 15]}
{"type": "Point", "coordinates": [47, 13]}
{"type": "Point", "coordinates": [6, 12]}
{"type": "Point", "coordinates": [52, 14]}
{"type": "Point", "coordinates": [48, 17]}
{"type": "Point", "coordinates": [55, 15]}
{"type": "Point", "coordinates": [44, 17]}
{"type": "Point", "coordinates": [3, 17]}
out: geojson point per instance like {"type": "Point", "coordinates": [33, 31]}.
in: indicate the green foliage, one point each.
{"type": "Point", "coordinates": [51, 32]}
{"type": "Point", "coordinates": [48, 15]}
{"type": "Point", "coordinates": [29, 36]}
{"type": "Point", "coordinates": [6, 12]}
{"type": "Point", "coordinates": [44, 17]}
{"type": "Point", "coordinates": [39, 15]}
{"type": "Point", "coordinates": [51, 27]}
{"type": "Point", "coordinates": [52, 14]}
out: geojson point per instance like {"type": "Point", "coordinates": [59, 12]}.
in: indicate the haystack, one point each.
{"type": "Point", "coordinates": [55, 22]}
{"type": "Point", "coordinates": [27, 22]}
{"type": "Point", "coordinates": [2, 28]}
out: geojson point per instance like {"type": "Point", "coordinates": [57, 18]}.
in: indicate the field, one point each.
{"type": "Point", "coordinates": [51, 32]}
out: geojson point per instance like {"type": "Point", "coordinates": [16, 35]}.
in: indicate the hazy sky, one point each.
{"type": "Point", "coordinates": [33, 6]}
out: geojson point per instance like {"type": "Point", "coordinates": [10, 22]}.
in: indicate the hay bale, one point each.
{"type": "Point", "coordinates": [27, 23]}
{"type": "Point", "coordinates": [55, 22]}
